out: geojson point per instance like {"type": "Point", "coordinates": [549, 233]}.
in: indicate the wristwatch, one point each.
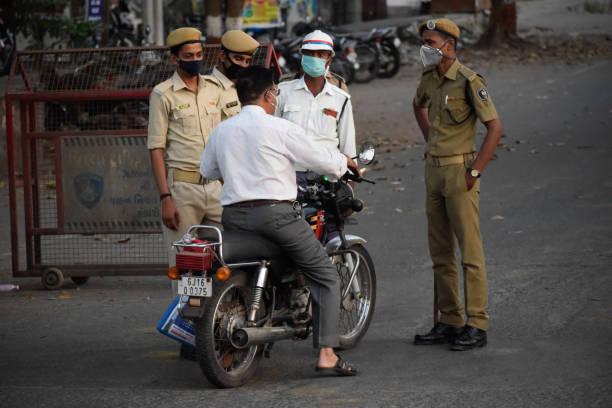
{"type": "Point", "coordinates": [474, 173]}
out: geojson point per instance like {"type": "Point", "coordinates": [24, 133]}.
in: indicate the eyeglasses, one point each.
{"type": "Point", "coordinates": [275, 91]}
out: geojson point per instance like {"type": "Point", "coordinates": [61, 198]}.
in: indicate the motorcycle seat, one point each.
{"type": "Point", "coordinates": [244, 246]}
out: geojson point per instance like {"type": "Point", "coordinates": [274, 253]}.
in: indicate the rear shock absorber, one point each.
{"type": "Point", "coordinates": [257, 291]}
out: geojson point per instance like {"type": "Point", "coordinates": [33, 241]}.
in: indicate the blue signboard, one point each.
{"type": "Point", "coordinates": [95, 8]}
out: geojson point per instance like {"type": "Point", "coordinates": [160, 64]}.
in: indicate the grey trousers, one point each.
{"type": "Point", "coordinates": [284, 225]}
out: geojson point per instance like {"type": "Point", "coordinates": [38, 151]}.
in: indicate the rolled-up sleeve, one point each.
{"type": "Point", "coordinates": [346, 131]}
{"type": "Point", "coordinates": [158, 122]}
{"type": "Point", "coordinates": [209, 166]}
{"type": "Point", "coordinates": [420, 99]}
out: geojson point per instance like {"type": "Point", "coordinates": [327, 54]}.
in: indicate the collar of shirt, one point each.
{"type": "Point", "coordinates": [326, 88]}
{"type": "Point", "coordinates": [178, 83]}
{"type": "Point", "coordinates": [253, 108]}
{"type": "Point", "coordinates": [451, 73]}
{"type": "Point", "coordinates": [225, 81]}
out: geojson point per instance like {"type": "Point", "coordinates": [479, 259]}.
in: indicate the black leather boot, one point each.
{"type": "Point", "coordinates": [470, 338]}
{"type": "Point", "coordinates": [440, 334]}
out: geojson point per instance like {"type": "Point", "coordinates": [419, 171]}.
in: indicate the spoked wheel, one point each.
{"type": "Point", "coordinates": [389, 60]}
{"type": "Point", "coordinates": [222, 364]}
{"type": "Point", "coordinates": [367, 57]}
{"type": "Point", "coordinates": [357, 307]}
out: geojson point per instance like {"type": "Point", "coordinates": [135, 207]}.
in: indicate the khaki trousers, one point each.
{"type": "Point", "coordinates": [196, 204]}
{"type": "Point", "coordinates": [452, 211]}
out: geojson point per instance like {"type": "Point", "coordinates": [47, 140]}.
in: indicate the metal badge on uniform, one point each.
{"type": "Point", "coordinates": [231, 104]}
{"type": "Point", "coordinates": [431, 25]}
{"type": "Point", "coordinates": [330, 112]}
{"type": "Point", "coordinates": [181, 107]}
{"type": "Point", "coordinates": [483, 94]}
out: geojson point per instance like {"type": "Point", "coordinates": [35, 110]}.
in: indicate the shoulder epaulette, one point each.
{"type": "Point", "coordinates": [160, 89]}
{"type": "Point", "coordinates": [467, 73]}
{"type": "Point", "coordinates": [212, 78]}
{"type": "Point", "coordinates": [341, 91]}
{"type": "Point", "coordinates": [288, 81]}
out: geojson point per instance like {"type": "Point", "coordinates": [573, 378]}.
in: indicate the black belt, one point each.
{"type": "Point", "coordinates": [256, 203]}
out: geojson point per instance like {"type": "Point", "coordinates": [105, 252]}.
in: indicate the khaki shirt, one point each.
{"type": "Point", "coordinates": [180, 120]}
{"type": "Point", "coordinates": [452, 117]}
{"type": "Point", "coordinates": [229, 103]}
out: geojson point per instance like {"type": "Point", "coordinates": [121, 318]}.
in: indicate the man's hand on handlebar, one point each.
{"type": "Point", "coordinates": [353, 166]}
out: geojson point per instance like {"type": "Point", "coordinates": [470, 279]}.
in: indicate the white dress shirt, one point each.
{"type": "Point", "coordinates": [321, 116]}
{"type": "Point", "coordinates": [255, 154]}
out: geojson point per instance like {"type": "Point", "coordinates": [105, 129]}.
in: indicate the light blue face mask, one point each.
{"type": "Point", "coordinates": [314, 67]}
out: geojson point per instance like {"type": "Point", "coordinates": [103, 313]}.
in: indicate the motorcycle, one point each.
{"type": "Point", "coordinates": [378, 53]}
{"type": "Point", "coordinates": [243, 294]}
{"type": "Point", "coordinates": [7, 47]}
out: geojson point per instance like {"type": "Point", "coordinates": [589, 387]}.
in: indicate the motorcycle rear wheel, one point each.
{"type": "Point", "coordinates": [357, 309]}
{"type": "Point", "coordinates": [223, 365]}
{"type": "Point", "coordinates": [369, 64]}
{"type": "Point", "coordinates": [390, 60]}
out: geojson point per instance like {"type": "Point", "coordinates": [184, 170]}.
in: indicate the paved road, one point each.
{"type": "Point", "coordinates": [548, 260]}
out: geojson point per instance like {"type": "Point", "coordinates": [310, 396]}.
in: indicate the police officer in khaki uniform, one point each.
{"type": "Point", "coordinates": [236, 54]}
{"type": "Point", "coordinates": [448, 102]}
{"type": "Point", "coordinates": [183, 111]}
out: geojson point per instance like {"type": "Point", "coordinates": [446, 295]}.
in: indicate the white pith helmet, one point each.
{"type": "Point", "coordinates": [318, 40]}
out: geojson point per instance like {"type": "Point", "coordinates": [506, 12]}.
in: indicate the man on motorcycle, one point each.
{"type": "Point", "coordinates": [323, 110]}
{"type": "Point", "coordinates": [255, 154]}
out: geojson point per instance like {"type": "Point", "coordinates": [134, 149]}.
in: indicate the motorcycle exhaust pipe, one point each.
{"type": "Point", "coordinates": [251, 336]}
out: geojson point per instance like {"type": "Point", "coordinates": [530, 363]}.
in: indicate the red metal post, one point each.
{"type": "Point", "coordinates": [27, 182]}
{"type": "Point", "coordinates": [10, 153]}
{"type": "Point", "coordinates": [36, 181]}
{"type": "Point", "coordinates": [59, 184]}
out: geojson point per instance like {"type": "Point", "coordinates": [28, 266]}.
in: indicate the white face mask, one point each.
{"type": "Point", "coordinates": [432, 56]}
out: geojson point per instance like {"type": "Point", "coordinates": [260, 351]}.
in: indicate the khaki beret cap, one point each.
{"type": "Point", "coordinates": [443, 25]}
{"type": "Point", "coordinates": [239, 42]}
{"type": "Point", "coordinates": [183, 35]}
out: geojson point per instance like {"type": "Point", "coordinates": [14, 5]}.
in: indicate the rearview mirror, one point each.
{"type": "Point", "coordinates": [367, 153]}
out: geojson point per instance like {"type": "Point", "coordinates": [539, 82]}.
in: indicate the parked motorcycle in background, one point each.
{"type": "Point", "coordinates": [243, 294]}
{"type": "Point", "coordinates": [7, 47]}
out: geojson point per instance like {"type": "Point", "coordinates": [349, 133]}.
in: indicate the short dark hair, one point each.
{"type": "Point", "coordinates": [175, 50]}
{"type": "Point", "coordinates": [253, 81]}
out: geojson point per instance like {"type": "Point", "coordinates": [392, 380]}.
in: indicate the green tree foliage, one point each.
{"type": "Point", "coordinates": [40, 20]}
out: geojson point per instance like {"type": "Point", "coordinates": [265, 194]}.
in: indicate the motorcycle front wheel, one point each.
{"type": "Point", "coordinates": [222, 364]}
{"type": "Point", "coordinates": [357, 307]}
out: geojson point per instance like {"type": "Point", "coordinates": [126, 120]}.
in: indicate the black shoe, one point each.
{"type": "Point", "coordinates": [470, 338]}
{"type": "Point", "coordinates": [440, 334]}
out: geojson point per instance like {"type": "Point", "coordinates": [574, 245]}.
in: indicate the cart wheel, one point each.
{"type": "Point", "coordinates": [79, 280]}
{"type": "Point", "coordinates": [52, 278]}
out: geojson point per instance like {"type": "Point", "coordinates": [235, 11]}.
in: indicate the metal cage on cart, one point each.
{"type": "Point", "coordinates": [90, 204]}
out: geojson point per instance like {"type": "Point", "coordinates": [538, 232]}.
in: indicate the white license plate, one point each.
{"type": "Point", "coordinates": [192, 286]}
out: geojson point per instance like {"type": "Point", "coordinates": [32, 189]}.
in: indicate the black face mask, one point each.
{"type": "Point", "coordinates": [234, 70]}
{"type": "Point", "coordinates": [192, 67]}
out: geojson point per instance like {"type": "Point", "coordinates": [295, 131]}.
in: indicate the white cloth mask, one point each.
{"type": "Point", "coordinates": [432, 56]}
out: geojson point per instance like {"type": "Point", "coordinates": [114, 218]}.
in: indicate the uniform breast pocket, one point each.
{"type": "Point", "coordinates": [186, 119]}
{"type": "Point", "coordinates": [211, 118]}
{"type": "Point", "coordinates": [292, 113]}
{"type": "Point", "coordinates": [229, 112]}
{"type": "Point", "coordinates": [456, 112]}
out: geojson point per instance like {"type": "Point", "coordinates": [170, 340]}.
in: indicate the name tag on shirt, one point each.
{"type": "Point", "coordinates": [330, 112]}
